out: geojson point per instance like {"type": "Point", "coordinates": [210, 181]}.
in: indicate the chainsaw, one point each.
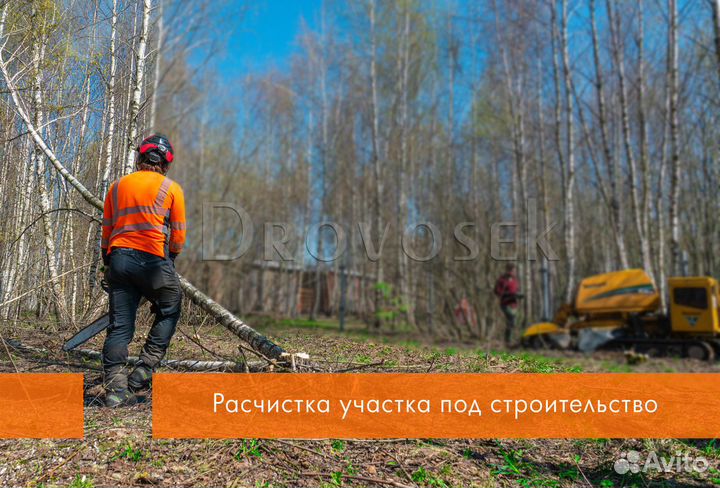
{"type": "Point", "coordinates": [94, 328]}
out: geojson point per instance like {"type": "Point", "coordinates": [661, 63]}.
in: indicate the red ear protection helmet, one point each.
{"type": "Point", "coordinates": [156, 149]}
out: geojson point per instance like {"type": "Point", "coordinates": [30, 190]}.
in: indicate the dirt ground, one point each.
{"type": "Point", "coordinates": [118, 448]}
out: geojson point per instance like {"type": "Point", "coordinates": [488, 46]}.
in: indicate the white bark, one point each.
{"type": "Point", "coordinates": [38, 51]}
{"type": "Point", "coordinates": [377, 166]}
{"type": "Point", "coordinates": [645, 250]}
{"type": "Point", "coordinates": [619, 60]}
{"type": "Point", "coordinates": [404, 266]}
{"type": "Point", "coordinates": [615, 203]}
{"type": "Point", "coordinates": [675, 163]}
{"type": "Point", "coordinates": [137, 88]}
{"type": "Point", "coordinates": [111, 103]}
{"type": "Point", "coordinates": [158, 60]}
{"type": "Point", "coordinates": [570, 136]}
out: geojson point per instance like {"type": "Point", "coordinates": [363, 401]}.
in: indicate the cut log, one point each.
{"type": "Point", "coordinates": [257, 341]}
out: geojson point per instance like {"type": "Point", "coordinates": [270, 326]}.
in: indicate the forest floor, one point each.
{"type": "Point", "coordinates": [118, 449]}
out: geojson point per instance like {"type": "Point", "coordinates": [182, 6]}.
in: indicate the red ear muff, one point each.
{"type": "Point", "coordinates": [158, 149]}
{"type": "Point", "coordinates": [146, 147]}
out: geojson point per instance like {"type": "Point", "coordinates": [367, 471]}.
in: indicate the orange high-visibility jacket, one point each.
{"type": "Point", "coordinates": [144, 210]}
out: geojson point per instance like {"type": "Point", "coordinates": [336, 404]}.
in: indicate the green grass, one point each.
{"type": "Point", "coordinates": [130, 453]}
{"type": "Point", "coordinates": [611, 367]}
{"type": "Point", "coordinates": [714, 476]}
{"type": "Point", "coordinates": [248, 447]}
{"type": "Point", "coordinates": [338, 446]}
{"type": "Point", "coordinates": [352, 326]}
{"type": "Point", "coordinates": [81, 482]}
{"type": "Point", "coordinates": [450, 351]}
{"type": "Point", "coordinates": [308, 324]}
{"type": "Point", "coordinates": [535, 363]}
{"type": "Point", "coordinates": [520, 472]}
{"type": "Point", "coordinates": [712, 448]}
{"type": "Point", "coordinates": [423, 477]}
{"type": "Point", "coordinates": [363, 359]}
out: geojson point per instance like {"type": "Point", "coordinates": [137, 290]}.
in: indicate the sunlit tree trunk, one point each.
{"type": "Point", "coordinates": [38, 51]}
{"type": "Point", "coordinates": [403, 264]}
{"type": "Point", "coordinates": [616, 205]}
{"type": "Point", "coordinates": [675, 162]}
{"type": "Point", "coordinates": [644, 218]}
{"type": "Point", "coordinates": [376, 162]}
{"type": "Point", "coordinates": [110, 134]}
{"type": "Point", "coordinates": [137, 86]}
{"type": "Point", "coordinates": [158, 62]}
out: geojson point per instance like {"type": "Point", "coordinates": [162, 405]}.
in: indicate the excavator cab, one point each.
{"type": "Point", "coordinates": [694, 306]}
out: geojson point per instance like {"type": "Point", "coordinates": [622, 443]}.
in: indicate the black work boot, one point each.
{"type": "Point", "coordinates": [140, 378]}
{"type": "Point", "coordinates": [116, 387]}
{"type": "Point", "coordinates": [120, 398]}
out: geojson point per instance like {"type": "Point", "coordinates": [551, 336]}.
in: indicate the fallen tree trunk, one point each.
{"type": "Point", "coordinates": [186, 364]}
{"type": "Point", "coordinates": [257, 341]}
{"type": "Point", "coordinates": [178, 364]}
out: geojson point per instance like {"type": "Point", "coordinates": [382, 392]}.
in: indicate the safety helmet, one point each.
{"type": "Point", "coordinates": [156, 149]}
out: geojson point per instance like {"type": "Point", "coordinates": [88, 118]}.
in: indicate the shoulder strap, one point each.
{"type": "Point", "coordinates": [163, 192]}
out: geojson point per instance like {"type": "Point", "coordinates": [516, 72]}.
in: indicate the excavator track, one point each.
{"type": "Point", "coordinates": [655, 347]}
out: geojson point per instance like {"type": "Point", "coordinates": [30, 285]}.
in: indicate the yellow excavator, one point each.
{"type": "Point", "coordinates": [622, 310]}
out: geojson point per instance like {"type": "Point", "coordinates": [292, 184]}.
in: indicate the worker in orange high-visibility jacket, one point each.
{"type": "Point", "coordinates": [143, 232]}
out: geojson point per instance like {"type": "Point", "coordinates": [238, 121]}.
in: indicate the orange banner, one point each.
{"type": "Point", "coordinates": [311, 406]}
{"type": "Point", "coordinates": [41, 406]}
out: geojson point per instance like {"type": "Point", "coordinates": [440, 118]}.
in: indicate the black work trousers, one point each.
{"type": "Point", "coordinates": [135, 274]}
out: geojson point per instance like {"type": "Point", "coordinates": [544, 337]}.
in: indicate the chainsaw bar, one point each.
{"type": "Point", "coordinates": [87, 333]}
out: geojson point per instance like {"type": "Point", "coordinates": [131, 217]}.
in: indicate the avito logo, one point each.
{"type": "Point", "coordinates": [632, 462]}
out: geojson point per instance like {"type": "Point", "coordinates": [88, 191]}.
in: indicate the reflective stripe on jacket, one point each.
{"type": "Point", "coordinates": [145, 210]}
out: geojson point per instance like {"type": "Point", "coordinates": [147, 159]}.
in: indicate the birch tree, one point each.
{"type": "Point", "coordinates": [675, 161]}
{"type": "Point", "coordinates": [137, 86]}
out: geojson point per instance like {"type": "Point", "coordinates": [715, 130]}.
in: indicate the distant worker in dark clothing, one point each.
{"type": "Point", "coordinates": [507, 290]}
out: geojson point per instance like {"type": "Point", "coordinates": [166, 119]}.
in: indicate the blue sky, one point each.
{"type": "Point", "coordinates": [264, 35]}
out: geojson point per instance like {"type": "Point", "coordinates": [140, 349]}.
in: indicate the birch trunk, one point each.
{"type": "Point", "coordinates": [619, 59]}
{"type": "Point", "coordinates": [110, 134]}
{"type": "Point", "coordinates": [616, 206]}
{"type": "Point", "coordinates": [567, 159]}
{"type": "Point", "coordinates": [377, 166]}
{"type": "Point", "coordinates": [546, 264]}
{"type": "Point", "coordinates": [570, 135]}
{"type": "Point", "coordinates": [515, 107]}
{"type": "Point", "coordinates": [404, 265]}
{"type": "Point", "coordinates": [137, 88]}
{"type": "Point", "coordinates": [645, 249]}
{"type": "Point", "coordinates": [111, 104]}
{"type": "Point", "coordinates": [158, 60]}
{"type": "Point", "coordinates": [675, 163]}
{"type": "Point", "coordinates": [38, 51]}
